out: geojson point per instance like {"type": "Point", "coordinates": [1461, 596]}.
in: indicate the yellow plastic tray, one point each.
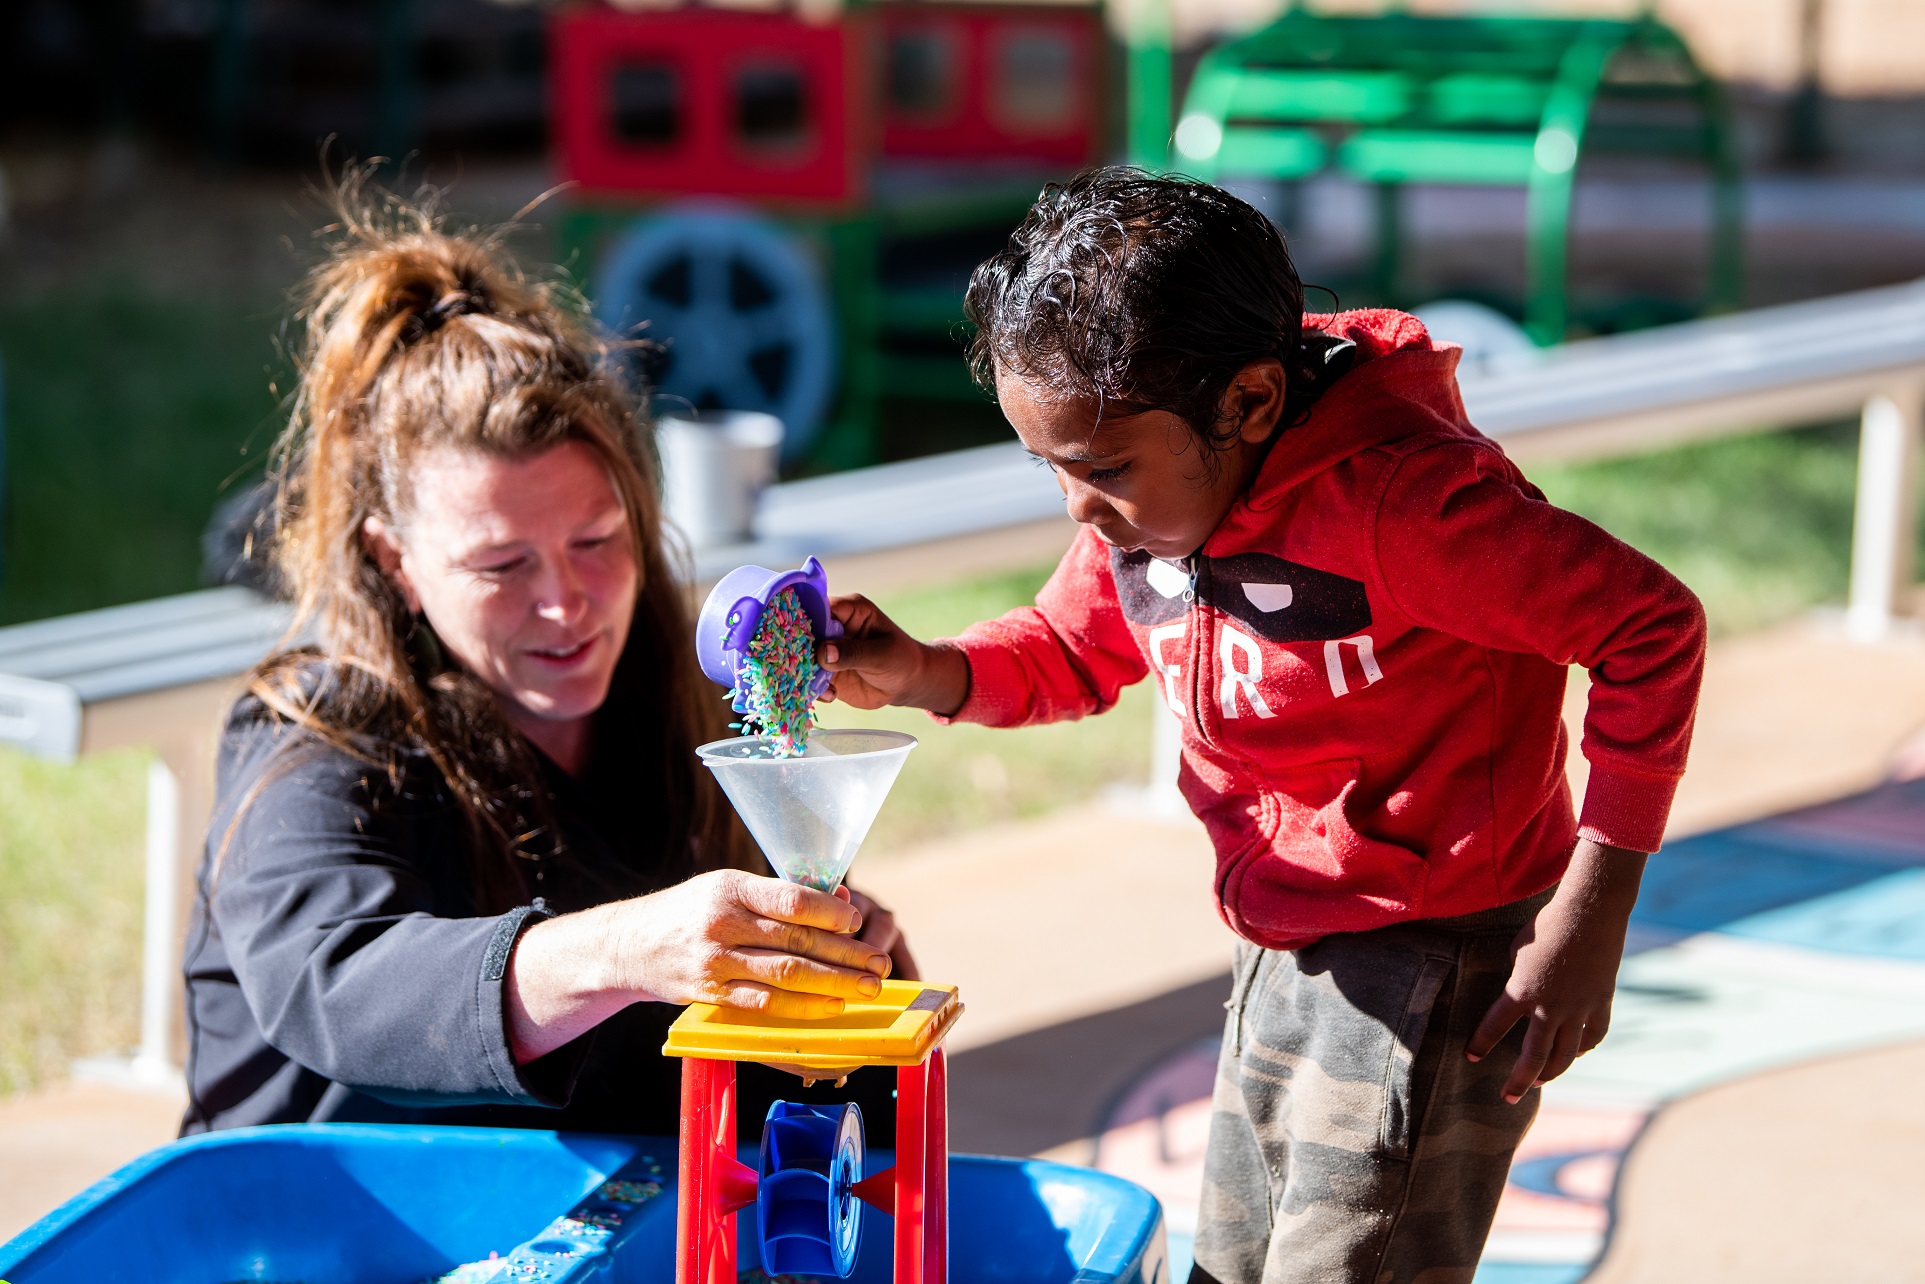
{"type": "Point", "coordinates": [896, 1028]}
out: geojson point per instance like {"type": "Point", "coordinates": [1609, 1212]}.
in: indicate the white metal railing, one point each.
{"type": "Point", "coordinates": [1779, 367]}
{"type": "Point", "coordinates": [918, 501]}
{"type": "Point", "coordinates": [1771, 368]}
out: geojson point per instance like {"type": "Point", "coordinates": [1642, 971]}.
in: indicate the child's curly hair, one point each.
{"type": "Point", "coordinates": [1143, 292]}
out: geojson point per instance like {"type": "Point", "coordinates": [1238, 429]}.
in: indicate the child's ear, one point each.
{"type": "Point", "coordinates": [1256, 397]}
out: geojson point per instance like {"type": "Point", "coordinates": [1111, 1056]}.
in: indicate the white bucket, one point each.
{"type": "Point", "coordinates": [715, 466]}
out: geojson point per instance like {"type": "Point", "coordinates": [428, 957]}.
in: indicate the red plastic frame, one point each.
{"type": "Point", "coordinates": [707, 50]}
{"type": "Point", "coordinates": [970, 125]}
{"type": "Point", "coordinates": [715, 1185]}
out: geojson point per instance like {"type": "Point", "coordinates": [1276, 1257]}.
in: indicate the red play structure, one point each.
{"type": "Point", "coordinates": [791, 205]}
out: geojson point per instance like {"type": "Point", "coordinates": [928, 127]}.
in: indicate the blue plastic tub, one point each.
{"type": "Point", "coordinates": [378, 1204]}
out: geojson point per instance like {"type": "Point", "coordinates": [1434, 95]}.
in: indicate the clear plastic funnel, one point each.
{"type": "Point", "coordinates": [810, 813]}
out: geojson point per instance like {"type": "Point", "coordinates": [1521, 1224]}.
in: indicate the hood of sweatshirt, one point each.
{"type": "Point", "coordinates": [1402, 383]}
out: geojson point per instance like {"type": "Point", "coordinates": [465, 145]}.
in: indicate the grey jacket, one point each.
{"type": "Point", "coordinates": [337, 967]}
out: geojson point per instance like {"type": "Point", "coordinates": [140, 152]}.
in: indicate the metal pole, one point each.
{"type": "Point", "coordinates": [1150, 91]}
{"type": "Point", "coordinates": [160, 975]}
{"type": "Point", "coordinates": [397, 106]}
{"type": "Point", "coordinates": [1885, 519]}
{"type": "Point", "coordinates": [1804, 141]}
{"type": "Point", "coordinates": [1166, 759]}
{"type": "Point", "coordinates": [1554, 158]}
{"type": "Point", "coordinates": [5, 524]}
{"type": "Point", "coordinates": [227, 88]}
{"type": "Point", "coordinates": [1388, 270]}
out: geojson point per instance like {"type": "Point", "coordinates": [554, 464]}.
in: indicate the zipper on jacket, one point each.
{"type": "Point", "coordinates": [1199, 647]}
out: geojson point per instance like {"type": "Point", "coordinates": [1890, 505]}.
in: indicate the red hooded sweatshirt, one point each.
{"type": "Point", "coordinates": [1368, 661]}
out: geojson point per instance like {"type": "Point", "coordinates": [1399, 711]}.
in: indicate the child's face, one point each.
{"type": "Point", "coordinates": [1143, 481]}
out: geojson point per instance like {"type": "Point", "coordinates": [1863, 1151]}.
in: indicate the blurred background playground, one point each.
{"type": "Point", "coordinates": [791, 197]}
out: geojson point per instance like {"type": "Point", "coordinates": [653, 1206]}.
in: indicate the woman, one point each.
{"type": "Point", "coordinates": [462, 860]}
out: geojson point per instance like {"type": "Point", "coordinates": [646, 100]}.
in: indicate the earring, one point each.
{"type": "Point", "coordinates": [424, 647]}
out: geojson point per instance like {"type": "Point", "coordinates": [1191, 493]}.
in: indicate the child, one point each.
{"type": "Point", "coordinates": [1361, 613]}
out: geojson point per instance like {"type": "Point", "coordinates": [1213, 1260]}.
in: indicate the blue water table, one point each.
{"type": "Point", "coordinates": [393, 1204]}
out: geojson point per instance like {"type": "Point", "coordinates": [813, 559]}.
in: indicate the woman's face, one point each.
{"type": "Point", "coordinates": [526, 570]}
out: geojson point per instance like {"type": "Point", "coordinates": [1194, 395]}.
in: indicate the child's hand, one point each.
{"type": "Point", "coordinates": [1564, 969]}
{"type": "Point", "coordinates": [875, 663]}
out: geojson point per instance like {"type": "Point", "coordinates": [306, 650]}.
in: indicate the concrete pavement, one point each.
{"type": "Point", "coordinates": [1808, 1173]}
{"type": "Point", "coordinates": [56, 1142]}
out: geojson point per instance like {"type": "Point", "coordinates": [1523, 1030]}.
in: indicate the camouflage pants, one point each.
{"type": "Point", "coordinates": [1351, 1140]}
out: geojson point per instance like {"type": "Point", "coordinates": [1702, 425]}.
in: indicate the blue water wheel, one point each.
{"type": "Point", "coordinates": [738, 308]}
{"type": "Point", "coordinates": [807, 1217]}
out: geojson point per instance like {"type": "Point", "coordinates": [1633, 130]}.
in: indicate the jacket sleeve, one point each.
{"type": "Point", "coordinates": [1468, 547]}
{"type": "Point", "coordinates": [1067, 657]}
{"type": "Point", "coordinates": [329, 923]}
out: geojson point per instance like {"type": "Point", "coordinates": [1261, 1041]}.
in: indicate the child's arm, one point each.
{"type": "Point", "coordinates": [876, 663]}
{"type": "Point", "coordinates": [1564, 968]}
{"type": "Point", "coordinates": [1066, 657]}
{"type": "Point", "coordinates": [1466, 546]}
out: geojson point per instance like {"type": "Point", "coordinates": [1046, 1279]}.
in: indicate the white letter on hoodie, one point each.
{"type": "Point", "coordinates": [1171, 669]}
{"type": "Point", "coordinates": [1333, 663]}
{"type": "Point", "coordinates": [1243, 679]}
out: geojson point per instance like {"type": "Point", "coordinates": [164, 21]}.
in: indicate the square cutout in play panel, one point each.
{"type": "Point", "coordinates": [898, 1027]}
{"type": "Point", "coordinates": [711, 103]}
{"type": "Point", "coordinates": [925, 71]}
{"type": "Point", "coordinates": [1005, 83]}
{"type": "Point", "coordinates": [1034, 88]}
{"type": "Point", "coordinates": [772, 116]}
{"type": "Point", "coordinates": [645, 102]}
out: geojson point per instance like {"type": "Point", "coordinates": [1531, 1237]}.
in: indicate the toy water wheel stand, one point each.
{"type": "Point", "coordinates": [810, 1190]}
{"type": "Point", "coordinates": [809, 812]}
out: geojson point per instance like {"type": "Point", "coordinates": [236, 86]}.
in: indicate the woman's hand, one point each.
{"type": "Point", "coordinates": [879, 929]}
{"type": "Point", "coordinates": [727, 937]}
{"type": "Point", "coordinates": [875, 663]}
{"type": "Point", "coordinates": [1564, 969]}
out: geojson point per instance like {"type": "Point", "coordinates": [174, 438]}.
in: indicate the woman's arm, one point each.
{"type": "Point", "coordinates": [332, 913]}
{"type": "Point", "coordinates": [727, 937]}
{"type": "Point", "coordinates": [335, 913]}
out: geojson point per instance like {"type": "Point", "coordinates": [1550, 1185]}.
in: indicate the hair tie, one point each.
{"type": "Point", "coordinates": [455, 303]}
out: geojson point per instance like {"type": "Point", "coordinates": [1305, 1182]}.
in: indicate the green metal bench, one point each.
{"type": "Point", "coordinates": [1402, 98]}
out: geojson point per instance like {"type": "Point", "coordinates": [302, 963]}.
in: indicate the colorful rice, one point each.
{"type": "Point", "coordinates": [773, 681]}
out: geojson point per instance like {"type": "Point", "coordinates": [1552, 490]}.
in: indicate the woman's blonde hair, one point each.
{"type": "Point", "coordinates": [418, 338]}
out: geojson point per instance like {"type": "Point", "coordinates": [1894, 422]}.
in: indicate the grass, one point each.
{"type": "Point", "coordinates": [128, 416]}
{"type": "Point", "coordinates": [70, 911]}
{"type": "Point", "coordinates": [1759, 527]}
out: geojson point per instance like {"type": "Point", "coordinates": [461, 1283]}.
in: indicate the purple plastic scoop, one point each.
{"type": "Point", "coordinates": [734, 609]}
